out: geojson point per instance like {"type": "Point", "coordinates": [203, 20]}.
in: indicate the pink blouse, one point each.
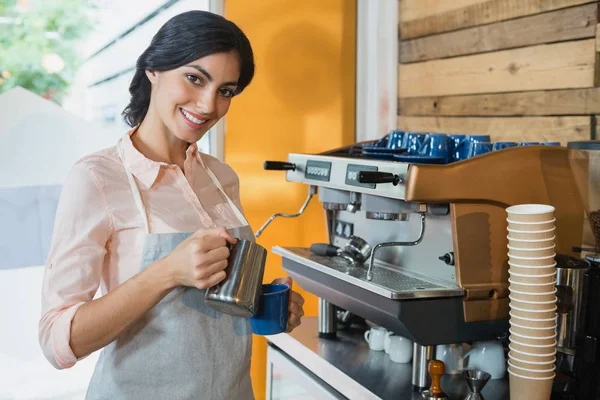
{"type": "Point", "coordinates": [99, 233]}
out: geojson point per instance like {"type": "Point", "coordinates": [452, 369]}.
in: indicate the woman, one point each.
{"type": "Point", "coordinates": [150, 220]}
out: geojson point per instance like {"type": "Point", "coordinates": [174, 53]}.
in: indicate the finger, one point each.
{"type": "Point", "coordinates": [216, 255]}
{"type": "Point", "coordinates": [293, 322]}
{"type": "Point", "coordinates": [208, 243]}
{"type": "Point", "coordinates": [220, 232]}
{"type": "Point", "coordinates": [225, 235]}
{"type": "Point", "coordinates": [211, 280]}
{"type": "Point", "coordinates": [202, 273]}
{"type": "Point", "coordinates": [296, 308]}
{"type": "Point", "coordinates": [285, 280]}
{"type": "Point", "coordinates": [296, 297]}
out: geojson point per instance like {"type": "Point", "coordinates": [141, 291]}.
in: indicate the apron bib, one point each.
{"type": "Point", "coordinates": [181, 348]}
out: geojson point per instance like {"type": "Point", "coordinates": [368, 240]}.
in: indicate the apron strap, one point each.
{"type": "Point", "coordinates": [235, 209]}
{"type": "Point", "coordinates": [137, 196]}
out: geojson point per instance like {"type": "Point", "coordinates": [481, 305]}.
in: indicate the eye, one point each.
{"type": "Point", "coordinates": [227, 92]}
{"type": "Point", "coordinates": [194, 79]}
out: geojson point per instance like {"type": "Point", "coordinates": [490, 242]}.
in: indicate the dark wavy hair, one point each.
{"type": "Point", "coordinates": [184, 38]}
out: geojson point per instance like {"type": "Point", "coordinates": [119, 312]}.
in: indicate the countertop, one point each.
{"type": "Point", "coordinates": [350, 367]}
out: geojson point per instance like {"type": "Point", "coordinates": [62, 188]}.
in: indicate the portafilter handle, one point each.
{"type": "Point", "coordinates": [379, 177]}
{"type": "Point", "coordinates": [312, 190]}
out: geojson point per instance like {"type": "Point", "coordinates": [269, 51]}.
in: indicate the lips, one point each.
{"type": "Point", "coordinates": [194, 120]}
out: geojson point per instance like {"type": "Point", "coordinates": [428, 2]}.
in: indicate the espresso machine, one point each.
{"type": "Point", "coordinates": [578, 288]}
{"type": "Point", "coordinates": [438, 270]}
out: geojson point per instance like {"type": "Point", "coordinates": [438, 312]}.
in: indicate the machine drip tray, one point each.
{"type": "Point", "coordinates": [387, 282]}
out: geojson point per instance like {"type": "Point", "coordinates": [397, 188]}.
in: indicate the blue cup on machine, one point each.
{"type": "Point", "coordinates": [550, 144]}
{"type": "Point", "coordinates": [478, 148]}
{"type": "Point", "coordinates": [413, 142]}
{"type": "Point", "coordinates": [521, 144]}
{"type": "Point", "coordinates": [436, 145]}
{"type": "Point", "coordinates": [503, 145]}
{"type": "Point", "coordinates": [457, 145]}
{"type": "Point", "coordinates": [395, 140]}
{"type": "Point", "coordinates": [272, 315]}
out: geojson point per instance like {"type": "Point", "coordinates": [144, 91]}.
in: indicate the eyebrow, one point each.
{"type": "Point", "coordinates": [209, 76]}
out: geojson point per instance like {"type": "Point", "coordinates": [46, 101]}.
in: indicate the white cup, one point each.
{"type": "Point", "coordinates": [401, 349]}
{"type": "Point", "coordinates": [487, 356]}
{"type": "Point", "coordinates": [376, 338]}
{"type": "Point", "coordinates": [452, 357]}
{"type": "Point", "coordinates": [386, 342]}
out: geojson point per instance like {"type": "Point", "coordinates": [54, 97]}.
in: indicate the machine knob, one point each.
{"type": "Point", "coordinates": [279, 166]}
{"type": "Point", "coordinates": [448, 258]}
{"type": "Point", "coordinates": [436, 370]}
{"type": "Point", "coordinates": [378, 177]}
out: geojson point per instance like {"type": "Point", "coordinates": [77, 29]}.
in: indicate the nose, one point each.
{"type": "Point", "coordinates": [206, 101]}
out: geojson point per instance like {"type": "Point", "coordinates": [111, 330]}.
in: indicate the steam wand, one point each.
{"type": "Point", "coordinates": [392, 244]}
{"type": "Point", "coordinates": [312, 190]}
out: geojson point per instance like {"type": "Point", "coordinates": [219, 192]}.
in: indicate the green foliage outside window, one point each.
{"type": "Point", "coordinates": [40, 44]}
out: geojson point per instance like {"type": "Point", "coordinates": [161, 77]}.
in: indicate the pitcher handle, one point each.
{"type": "Point", "coordinates": [367, 335]}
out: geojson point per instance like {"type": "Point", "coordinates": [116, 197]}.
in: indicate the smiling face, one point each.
{"type": "Point", "coordinates": [189, 100]}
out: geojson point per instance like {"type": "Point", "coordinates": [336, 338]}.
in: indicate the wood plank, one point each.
{"type": "Point", "coordinates": [417, 9]}
{"type": "Point", "coordinates": [558, 26]}
{"type": "Point", "coordinates": [550, 66]}
{"type": "Point", "coordinates": [541, 102]}
{"type": "Point", "coordinates": [517, 129]}
{"type": "Point", "coordinates": [444, 19]}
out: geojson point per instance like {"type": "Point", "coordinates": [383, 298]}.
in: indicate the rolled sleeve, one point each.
{"type": "Point", "coordinates": [73, 271]}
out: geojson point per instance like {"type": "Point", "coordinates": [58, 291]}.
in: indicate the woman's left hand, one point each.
{"type": "Point", "coordinates": [295, 310]}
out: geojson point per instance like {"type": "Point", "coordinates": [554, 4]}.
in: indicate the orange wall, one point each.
{"type": "Point", "coordinates": [302, 100]}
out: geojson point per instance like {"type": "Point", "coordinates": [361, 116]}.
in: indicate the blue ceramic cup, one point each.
{"type": "Point", "coordinates": [478, 148]}
{"type": "Point", "coordinates": [457, 147]}
{"type": "Point", "coordinates": [413, 141]}
{"type": "Point", "coordinates": [436, 145]}
{"type": "Point", "coordinates": [503, 145]}
{"type": "Point", "coordinates": [550, 144]}
{"type": "Point", "coordinates": [272, 315]}
{"type": "Point", "coordinates": [395, 140]}
{"type": "Point", "coordinates": [529, 143]}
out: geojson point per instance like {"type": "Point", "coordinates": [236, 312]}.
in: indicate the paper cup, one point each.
{"type": "Point", "coordinates": [534, 270]}
{"type": "Point", "coordinates": [533, 314]}
{"type": "Point", "coordinates": [532, 261]}
{"type": "Point", "coordinates": [526, 388]}
{"type": "Point", "coordinates": [543, 341]}
{"type": "Point", "coordinates": [529, 287]}
{"type": "Point", "coordinates": [532, 332]}
{"type": "Point", "coordinates": [532, 322]}
{"type": "Point", "coordinates": [531, 373]}
{"type": "Point", "coordinates": [532, 348]}
{"type": "Point", "coordinates": [546, 305]}
{"type": "Point", "coordinates": [532, 278]}
{"type": "Point", "coordinates": [540, 366]}
{"type": "Point", "coordinates": [530, 235]}
{"type": "Point", "coordinates": [528, 253]}
{"type": "Point", "coordinates": [535, 297]}
{"type": "Point", "coordinates": [531, 227]}
{"type": "Point", "coordinates": [530, 212]}
{"type": "Point", "coordinates": [543, 358]}
{"type": "Point", "coordinates": [531, 244]}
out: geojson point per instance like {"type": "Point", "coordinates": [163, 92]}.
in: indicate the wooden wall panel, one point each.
{"type": "Point", "coordinates": [430, 17]}
{"type": "Point", "coordinates": [518, 129]}
{"type": "Point", "coordinates": [558, 26]}
{"type": "Point", "coordinates": [543, 102]}
{"type": "Point", "coordinates": [553, 66]}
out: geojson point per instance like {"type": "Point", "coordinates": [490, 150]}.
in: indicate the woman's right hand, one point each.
{"type": "Point", "coordinates": [200, 260]}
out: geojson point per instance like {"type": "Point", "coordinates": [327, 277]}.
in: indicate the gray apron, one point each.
{"type": "Point", "coordinates": [181, 348]}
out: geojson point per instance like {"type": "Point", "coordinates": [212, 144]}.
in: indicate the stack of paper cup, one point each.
{"type": "Point", "coordinates": [532, 285]}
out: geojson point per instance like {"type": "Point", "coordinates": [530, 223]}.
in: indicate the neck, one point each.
{"type": "Point", "coordinates": [154, 140]}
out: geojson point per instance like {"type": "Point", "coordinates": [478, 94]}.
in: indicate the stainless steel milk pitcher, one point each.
{"type": "Point", "coordinates": [238, 294]}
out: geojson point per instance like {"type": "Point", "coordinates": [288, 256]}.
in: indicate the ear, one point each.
{"type": "Point", "coordinates": [152, 75]}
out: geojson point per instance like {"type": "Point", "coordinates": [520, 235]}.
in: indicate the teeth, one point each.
{"type": "Point", "coordinates": [192, 118]}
